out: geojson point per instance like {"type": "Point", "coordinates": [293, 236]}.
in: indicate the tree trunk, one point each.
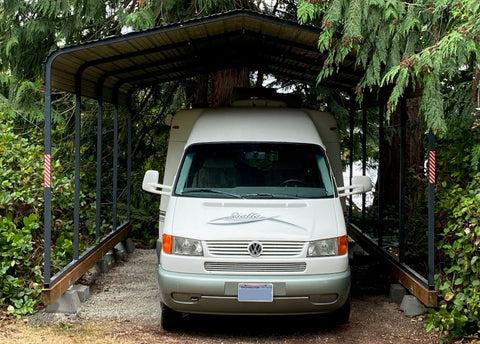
{"type": "Point", "coordinates": [223, 83]}
{"type": "Point", "coordinates": [415, 156]}
{"type": "Point", "coordinates": [414, 160]}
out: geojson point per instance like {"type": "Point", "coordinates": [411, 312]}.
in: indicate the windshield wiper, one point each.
{"type": "Point", "coordinates": [269, 195]}
{"type": "Point", "coordinates": [234, 195]}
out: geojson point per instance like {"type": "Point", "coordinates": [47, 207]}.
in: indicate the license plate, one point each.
{"type": "Point", "coordinates": [255, 292]}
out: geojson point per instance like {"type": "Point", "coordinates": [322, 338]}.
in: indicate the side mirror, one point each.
{"type": "Point", "coordinates": [360, 184]}
{"type": "Point", "coordinates": [150, 184]}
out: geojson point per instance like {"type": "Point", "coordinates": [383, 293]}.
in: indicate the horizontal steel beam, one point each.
{"type": "Point", "coordinates": [410, 279]}
{"type": "Point", "coordinates": [76, 269]}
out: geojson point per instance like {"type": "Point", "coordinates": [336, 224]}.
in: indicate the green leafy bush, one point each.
{"type": "Point", "coordinates": [20, 204]}
{"type": "Point", "coordinates": [21, 211]}
{"type": "Point", "coordinates": [458, 209]}
{"type": "Point", "coordinates": [19, 281]}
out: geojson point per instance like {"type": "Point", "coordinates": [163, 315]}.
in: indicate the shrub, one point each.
{"type": "Point", "coordinates": [21, 211]}
{"type": "Point", "coordinates": [20, 204]}
{"type": "Point", "coordinates": [458, 209]}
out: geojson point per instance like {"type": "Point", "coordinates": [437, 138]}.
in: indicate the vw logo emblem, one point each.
{"type": "Point", "coordinates": [255, 249]}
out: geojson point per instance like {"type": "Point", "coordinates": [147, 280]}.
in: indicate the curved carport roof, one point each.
{"type": "Point", "coordinates": [122, 64]}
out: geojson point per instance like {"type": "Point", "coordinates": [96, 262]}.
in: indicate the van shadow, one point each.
{"type": "Point", "coordinates": [255, 326]}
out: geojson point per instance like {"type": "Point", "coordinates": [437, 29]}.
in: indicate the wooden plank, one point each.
{"type": "Point", "coordinates": [77, 269]}
{"type": "Point", "coordinates": [428, 297]}
{"type": "Point", "coordinates": [410, 279]}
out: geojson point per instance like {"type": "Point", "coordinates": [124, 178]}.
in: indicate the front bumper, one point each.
{"type": "Point", "coordinates": [218, 294]}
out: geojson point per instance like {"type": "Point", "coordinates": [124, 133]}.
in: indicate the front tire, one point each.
{"type": "Point", "coordinates": [169, 319]}
{"type": "Point", "coordinates": [342, 315]}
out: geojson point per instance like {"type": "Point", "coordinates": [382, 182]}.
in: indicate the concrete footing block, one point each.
{"type": "Point", "coordinates": [129, 246]}
{"type": "Point", "coordinates": [68, 302]}
{"type": "Point", "coordinates": [83, 291]}
{"type": "Point", "coordinates": [120, 252]}
{"type": "Point", "coordinates": [105, 264]}
{"type": "Point", "coordinates": [411, 306]}
{"type": "Point", "coordinates": [397, 292]}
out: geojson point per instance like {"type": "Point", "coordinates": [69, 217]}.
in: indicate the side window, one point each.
{"type": "Point", "coordinates": [185, 178]}
{"type": "Point", "coordinates": [325, 175]}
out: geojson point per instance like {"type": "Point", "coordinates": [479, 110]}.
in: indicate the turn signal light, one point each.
{"type": "Point", "coordinates": [167, 243]}
{"type": "Point", "coordinates": [342, 245]}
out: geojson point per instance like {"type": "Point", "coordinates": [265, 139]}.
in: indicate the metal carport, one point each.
{"type": "Point", "coordinates": [112, 69]}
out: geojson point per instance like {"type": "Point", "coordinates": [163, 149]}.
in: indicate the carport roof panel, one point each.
{"type": "Point", "coordinates": [199, 46]}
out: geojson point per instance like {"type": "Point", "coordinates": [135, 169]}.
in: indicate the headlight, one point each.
{"type": "Point", "coordinates": [182, 246]}
{"type": "Point", "coordinates": [187, 247]}
{"type": "Point", "coordinates": [328, 247]}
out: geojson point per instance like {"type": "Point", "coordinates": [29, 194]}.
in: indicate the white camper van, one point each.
{"type": "Point", "coordinates": [251, 220]}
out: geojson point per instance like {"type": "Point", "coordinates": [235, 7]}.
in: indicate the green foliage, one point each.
{"type": "Point", "coordinates": [20, 204]}
{"type": "Point", "coordinates": [19, 281]}
{"type": "Point", "coordinates": [398, 44]}
{"type": "Point", "coordinates": [21, 208]}
{"type": "Point", "coordinates": [459, 243]}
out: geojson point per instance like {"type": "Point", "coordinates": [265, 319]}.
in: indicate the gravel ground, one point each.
{"type": "Point", "coordinates": [124, 305]}
{"type": "Point", "coordinates": [128, 291]}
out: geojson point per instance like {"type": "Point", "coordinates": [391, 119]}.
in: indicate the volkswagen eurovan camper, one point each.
{"type": "Point", "coordinates": [251, 218]}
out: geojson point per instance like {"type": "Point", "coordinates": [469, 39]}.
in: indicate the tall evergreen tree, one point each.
{"type": "Point", "coordinates": [417, 44]}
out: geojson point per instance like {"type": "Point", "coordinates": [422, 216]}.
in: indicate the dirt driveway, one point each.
{"type": "Point", "coordinates": [124, 308]}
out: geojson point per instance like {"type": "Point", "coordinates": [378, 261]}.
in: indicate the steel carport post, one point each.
{"type": "Point", "coordinates": [431, 209]}
{"type": "Point", "coordinates": [129, 154]}
{"type": "Point", "coordinates": [115, 157]}
{"type": "Point", "coordinates": [381, 167]}
{"type": "Point", "coordinates": [47, 230]}
{"type": "Point", "coordinates": [78, 124]}
{"type": "Point", "coordinates": [352, 149]}
{"type": "Point", "coordinates": [364, 160]}
{"type": "Point", "coordinates": [401, 201]}
{"type": "Point", "coordinates": [98, 200]}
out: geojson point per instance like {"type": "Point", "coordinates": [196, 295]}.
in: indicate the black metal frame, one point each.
{"type": "Point", "coordinates": [428, 282]}
{"type": "Point", "coordinates": [117, 96]}
{"type": "Point", "coordinates": [78, 258]}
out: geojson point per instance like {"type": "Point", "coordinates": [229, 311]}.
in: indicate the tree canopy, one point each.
{"type": "Point", "coordinates": [422, 45]}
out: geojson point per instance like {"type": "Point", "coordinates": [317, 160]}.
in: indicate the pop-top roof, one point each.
{"type": "Point", "coordinates": [199, 46]}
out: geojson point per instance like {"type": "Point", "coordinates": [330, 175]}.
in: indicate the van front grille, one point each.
{"type": "Point", "coordinates": [255, 267]}
{"type": "Point", "coordinates": [269, 248]}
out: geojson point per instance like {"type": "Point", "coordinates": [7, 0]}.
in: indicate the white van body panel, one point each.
{"type": "Point", "coordinates": [239, 221]}
{"type": "Point", "coordinates": [232, 220]}
{"type": "Point", "coordinates": [255, 125]}
{"type": "Point", "coordinates": [237, 124]}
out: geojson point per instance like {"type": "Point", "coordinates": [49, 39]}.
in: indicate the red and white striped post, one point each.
{"type": "Point", "coordinates": [431, 167]}
{"type": "Point", "coordinates": [47, 174]}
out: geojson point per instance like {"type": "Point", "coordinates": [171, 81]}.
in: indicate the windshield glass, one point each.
{"type": "Point", "coordinates": [254, 170]}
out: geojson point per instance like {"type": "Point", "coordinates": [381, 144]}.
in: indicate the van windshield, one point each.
{"type": "Point", "coordinates": [254, 170]}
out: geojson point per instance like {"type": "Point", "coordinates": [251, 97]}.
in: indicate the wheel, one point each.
{"type": "Point", "coordinates": [292, 182]}
{"type": "Point", "coordinates": [170, 320]}
{"type": "Point", "coordinates": [342, 315]}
